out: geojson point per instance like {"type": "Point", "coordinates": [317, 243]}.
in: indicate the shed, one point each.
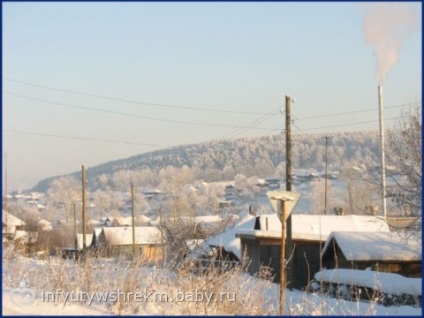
{"type": "Point", "coordinates": [384, 252]}
{"type": "Point", "coordinates": [118, 241]}
{"type": "Point", "coordinates": [262, 244]}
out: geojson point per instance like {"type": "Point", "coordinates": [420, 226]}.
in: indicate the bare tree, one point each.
{"type": "Point", "coordinates": [405, 154]}
{"type": "Point", "coordinates": [67, 191]}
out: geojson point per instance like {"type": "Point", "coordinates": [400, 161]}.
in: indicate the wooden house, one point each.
{"type": "Point", "coordinates": [261, 245]}
{"type": "Point", "coordinates": [383, 252]}
{"type": "Point", "coordinates": [118, 241]}
{"type": "Point", "coordinates": [11, 224]}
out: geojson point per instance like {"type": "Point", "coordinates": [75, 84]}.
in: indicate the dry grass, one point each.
{"type": "Point", "coordinates": [231, 290]}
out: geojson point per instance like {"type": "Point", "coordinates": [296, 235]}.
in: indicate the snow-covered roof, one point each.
{"type": "Point", "coordinates": [11, 220]}
{"type": "Point", "coordinates": [207, 219]}
{"type": "Point", "coordinates": [123, 235]}
{"type": "Point", "coordinates": [317, 227]}
{"type": "Point", "coordinates": [126, 220]}
{"type": "Point", "coordinates": [228, 239]}
{"type": "Point", "coordinates": [80, 240]}
{"type": "Point", "coordinates": [376, 246]}
{"type": "Point", "coordinates": [97, 231]}
{"type": "Point", "coordinates": [388, 283]}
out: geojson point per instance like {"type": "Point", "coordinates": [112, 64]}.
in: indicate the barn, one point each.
{"type": "Point", "coordinates": [383, 252]}
{"type": "Point", "coordinates": [261, 245]}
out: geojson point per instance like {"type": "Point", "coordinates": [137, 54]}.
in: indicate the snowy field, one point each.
{"type": "Point", "coordinates": [34, 287]}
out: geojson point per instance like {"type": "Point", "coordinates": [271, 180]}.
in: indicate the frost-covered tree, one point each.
{"type": "Point", "coordinates": [65, 191]}
{"type": "Point", "coordinates": [405, 153]}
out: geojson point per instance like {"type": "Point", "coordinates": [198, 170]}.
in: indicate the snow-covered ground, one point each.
{"type": "Point", "coordinates": [28, 284]}
{"type": "Point", "coordinates": [297, 303]}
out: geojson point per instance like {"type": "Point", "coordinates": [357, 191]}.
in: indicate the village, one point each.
{"type": "Point", "coordinates": [212, 159]}
{"type": "Point", "coordinates": [245, 232]}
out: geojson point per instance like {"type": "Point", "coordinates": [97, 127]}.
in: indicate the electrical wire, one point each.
{"type": "Point", "coordinates": [81, 138]}
{"type": "Point", "coordinates": [128, 114]}
{"type": "Point", "coordinates": [131, 101]}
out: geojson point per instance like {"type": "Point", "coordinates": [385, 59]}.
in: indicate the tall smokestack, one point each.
{"type": "Point", "coordinates": [382, 148]}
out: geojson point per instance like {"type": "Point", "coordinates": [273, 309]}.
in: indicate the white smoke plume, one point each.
{"type": "Point", "coordinates": [385, 26]}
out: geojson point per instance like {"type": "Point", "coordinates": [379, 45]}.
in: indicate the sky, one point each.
{"type": "Point", "coordinates": [87, 83]}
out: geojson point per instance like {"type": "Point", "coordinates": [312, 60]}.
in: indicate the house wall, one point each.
{"type": "Point", "coordinates": [149, 253]}
{"type": "Point", "coordinates": [267, 252]}
{"type": "Point", "coordinates": [305, 262]}
{"type": "Point", "coordinates": [250, 255]}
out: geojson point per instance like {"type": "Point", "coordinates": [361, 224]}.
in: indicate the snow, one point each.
{"type": "Point", "coordinates": [381, 246]}
{"type": "Point", "coordinates": [296, 303]}
{"type": "Point", "coordinates": [11, 220]}
{"type": "Point", "coordinates": [207, 219]}
{"type": "Point", "coordinates": [228, 239]}
{"type": "Point", "coordinates": [123, 235]}
{"type": "Point", "coordinates": [37, 307]}
{"type": "Point", "coordinates": [316, 227]}
{"type": "Point", "coordinates": [388, 283]}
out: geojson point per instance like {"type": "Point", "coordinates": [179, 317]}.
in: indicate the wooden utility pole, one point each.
{"type": "Point", "coordinates": [133, 222]}
{"type": "Point", "coordinates": [84, 243]}
{"type": "Point", "coordinates": [283, 256]}
{"type": "Point", "coordinates": [289, 184]}
{"type": "Point", "coordinates": [5, 199]}
{"type": "Point", "coordinates": [326, 173]}
{"type": "Point", "coordinates": [75, 230]}
{"type": "Point", "coordinates": [161, 233]}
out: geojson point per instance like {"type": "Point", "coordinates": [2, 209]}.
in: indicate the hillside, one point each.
{"type": "Point", "coordinates": [222, 159]}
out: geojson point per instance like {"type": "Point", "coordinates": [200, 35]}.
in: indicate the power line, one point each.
{"type": "Point", "coordinates": [334, 126]}
{"type": "Point", "coordinates": [128, 114]}
{"type": "Point", "coordinates": [348, 124]}
{"type": "Point", "coordinates": [252, 124]}
{"type": "Point", "coordinates": [81, 138]}
{"type": "Point", "coordinates": [190, 108]}
{"type": "Point", "coordinates": [356, 111]}
{"type": "Point", "coordinates": [131, 101]}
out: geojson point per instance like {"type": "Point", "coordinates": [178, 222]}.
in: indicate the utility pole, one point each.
{"type": "Point", "coordinates": [326, 174]}
{"type": "Point", "coordinates": [283, 256]}
{"type": "Point", "coordinates": [288, 184]}
{"type": "Point", "coordinates": [5, 189]}
{"type": "Point", "coordinates": [161, 233]}
{"type": "Point", "coordinates": [75, 230]}
{"type": "Point", "coordinates": [133, 222]}
{"type": "Point", "coordinates": [84, 243]}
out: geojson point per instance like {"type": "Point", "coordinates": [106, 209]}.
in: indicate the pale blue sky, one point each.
{"type": "Point", "coordinates": [240, 57]}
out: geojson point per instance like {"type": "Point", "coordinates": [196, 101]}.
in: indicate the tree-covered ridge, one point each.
{"type": "Point", "coordinates": [223, 159]}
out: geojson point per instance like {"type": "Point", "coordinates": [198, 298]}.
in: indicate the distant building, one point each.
{"type": "Point", "coordinates": [118, 241]}
{"type": "Point", "coordinates": [10, 224]}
